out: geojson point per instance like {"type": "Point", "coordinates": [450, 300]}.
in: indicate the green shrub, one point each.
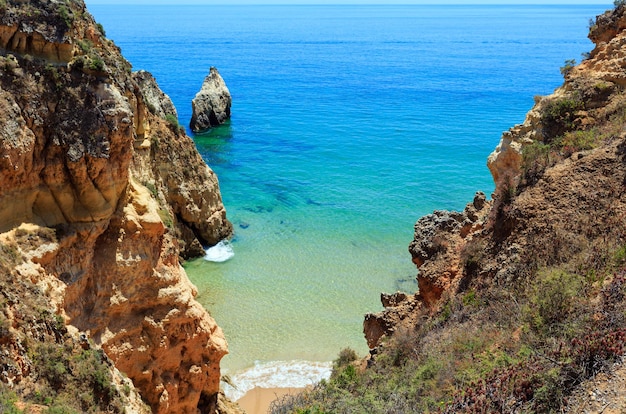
{"type": "Point", "coordinates": [560, 116]}
{"type": "Point", "coordinates": [470, 299]}
{"type": "Point", "coordinates": [7, 401]}
{"type": "Point", "coordinates": [428, 370]}
{"type": "Point", "coordinates": [52, 363]}
{"type": "Point", "coordinates": [619, 256]}
{"type": "Point", "coordinates": [9, 254]}
{"type": "Point", "coordinates": [85, 45]}
{"type": "Point", "coordinates": [166, 218]}
{"type": "Point", "coordinates": [472, 256]}
{"type": "Point", "coordinates": [78, 62]}
{"type": "Point", "coordinates": [96, 63]}
{"type": "Point", "coordinates": [567, 67]}
{"type": "Point", "coordinates": [61, 409]}
{"type": "Point", "coordinates": [152, 188]}
{"type": "Point", "coordinates": [602, 86]}
{"type": "Point", "coordinates": [346, 377]}
{"type": "Point", "coordinates": [553, 299]}
{"type": "Point", "coordinates": [536, 157]}
{"type": "Point", "coordinates": [101, 29]}
{"type": "Point", "coordinates": [576, 141]}
{"type": "Point", "coordinates": [346, 356]}
{"type": "Point", "coordinates": [173, 121]}
{"type": "Point", "coordinates": [151, 107]}
{"type": "Point", "coordinates": [66, 15]}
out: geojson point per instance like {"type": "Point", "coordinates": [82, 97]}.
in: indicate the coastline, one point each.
{"type": "Point", "coordinates": [275, 375]}
{"type": "Point", "coordinates": [258, 400]}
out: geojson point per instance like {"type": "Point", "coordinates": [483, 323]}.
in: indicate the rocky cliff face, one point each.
{"type": "Point", "coordinates": [438, 239]}
{"type": "Point", "coordinates": [87, 152]}
{"type": "Point", "coordinates": [590, 95]}
{"type": "Point", "coordinates": [557, 176]}
{"type": "Point", "coordinates": [538, 270]}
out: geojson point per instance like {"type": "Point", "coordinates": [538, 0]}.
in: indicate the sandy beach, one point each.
{"type": "Point", "coordinates": [258, 400]}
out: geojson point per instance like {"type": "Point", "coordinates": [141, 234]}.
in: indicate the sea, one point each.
{"type": "Point", "coordinates": [348, 124]}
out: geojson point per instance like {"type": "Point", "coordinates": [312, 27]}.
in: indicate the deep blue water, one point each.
{"type": "Point", "coordinates": [349, 123]}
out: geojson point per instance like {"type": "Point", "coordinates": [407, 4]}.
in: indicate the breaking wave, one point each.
{"type": "Point", "coordinates": [221, 252]}
{"type": "Point", "coordinates": [277, 374]}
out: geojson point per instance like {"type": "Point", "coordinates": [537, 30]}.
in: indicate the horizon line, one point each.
{"type": "Point", "coordinates": [347, 3]}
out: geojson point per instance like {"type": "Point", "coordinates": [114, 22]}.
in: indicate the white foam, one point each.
{"type": "Point", "coordinates": [221, 252]}
{"type": "Point", "coordinates": [277, 374]}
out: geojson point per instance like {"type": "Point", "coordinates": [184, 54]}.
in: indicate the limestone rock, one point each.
{"type": "Point", "coordinates": [211, 106]}
{"type": "Point", "coordinates": [594, 82]}
{"type": "Point", "coordinates": [437, 241]}
{"type": "Point", "coordinates": [82, 153]}
{"type": "Point", "coordinates": [155, 99]}
{"type": "Point", "coordinates": [480, 263]}
{"type": "Point", "coordinates": [23, 32]}
{"type": "Point", "coordinates": [393, 300]}
{"type": "Point", "coordinates": [398, 307]}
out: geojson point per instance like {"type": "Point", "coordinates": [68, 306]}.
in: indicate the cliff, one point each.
{"type": "Point", "coordinates": [102, 193]}
{"type": "Point", "coordinates": [522, 299]}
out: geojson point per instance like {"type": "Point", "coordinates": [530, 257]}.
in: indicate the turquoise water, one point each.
{"type": "Point", "coordinates": [349, 123]}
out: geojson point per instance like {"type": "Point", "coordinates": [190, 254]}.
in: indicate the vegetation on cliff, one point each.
{"type": "Point", "coordinates": [521, 303]}
{"type": "Point", "coordinates": [101, 197]}
{"type": "Point", "coordinates": [45, 366]}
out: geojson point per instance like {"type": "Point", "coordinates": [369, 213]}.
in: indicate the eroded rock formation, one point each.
{"type": "Point", "coordinates": [156, 100]}
{"type": "Point", "coordinates": [558, 208]}
{"type": "Point", "coordinates": [211, 105]}
{"type": "Point", "coordinates": [85, 152]}
{"type": "Point", "coordinates": [438, 240]}
{"type": "Point", "coordinates": [587, 97]}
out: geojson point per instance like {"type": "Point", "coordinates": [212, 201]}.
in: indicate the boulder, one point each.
{"type": "Point", "coordinates": [211, 106]}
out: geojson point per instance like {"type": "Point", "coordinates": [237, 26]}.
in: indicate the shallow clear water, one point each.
{"type": "Point", "coordinates": [349, 123]}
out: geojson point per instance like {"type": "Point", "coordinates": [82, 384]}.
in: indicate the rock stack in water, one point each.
{"type": "Point", "coordinates": [211, 106]}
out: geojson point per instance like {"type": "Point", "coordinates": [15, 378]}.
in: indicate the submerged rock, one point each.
{"type": "Point", "coordinates": [211, 106]}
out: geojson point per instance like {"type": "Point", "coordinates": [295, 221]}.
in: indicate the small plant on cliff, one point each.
{"type": "Point", "coordinates": [83, 374]}
{"type": "Point", "coordinates": [9, 255]}
{"type": "Point", "coordinates": [567, 67]}
{"type": "Point", "coordinates": [536, 157]}
{"type": "Point", "coordinates": [101, 29]}
{"type": "Point", "coordinates": [66, 15]}
{"type": "Point", "coordinates": [173, 121]}
{"type": "Point", "coordinates": [553, 299]}
{"type": "Point", "coordinates": [576, 141]}
{"type": "Point", "coordinates": [560, 116]}
{"type": "Point", "coordinates": [346, 356]}
{"type": "Point", "coordinates": [96, 63]}
{"type": "Point", "coordinates": [152, 188]}
{"type": "Point", "coordinates": [592, 25]}
{"type": "Point", "coordinates": [7, 401]}
{"type": "Point", "coordinates": [85, 45]}
{"type": "Point", "coordinates": [619, 3]}
{"type": "Point", "coordinates": [166, 218]}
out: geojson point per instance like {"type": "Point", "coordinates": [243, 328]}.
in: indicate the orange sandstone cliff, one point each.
{"type": "Point", "coordinates": [100, 196]}
{"type": "Point", "coordinates": [523, 297]}
{"type": "Point", "coordinates": [559, 190]}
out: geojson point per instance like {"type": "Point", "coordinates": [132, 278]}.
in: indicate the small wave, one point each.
{"type": "Point", "coordinates": [221, 252]}
{"type": "Point", "coordinates": [277, 374]}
